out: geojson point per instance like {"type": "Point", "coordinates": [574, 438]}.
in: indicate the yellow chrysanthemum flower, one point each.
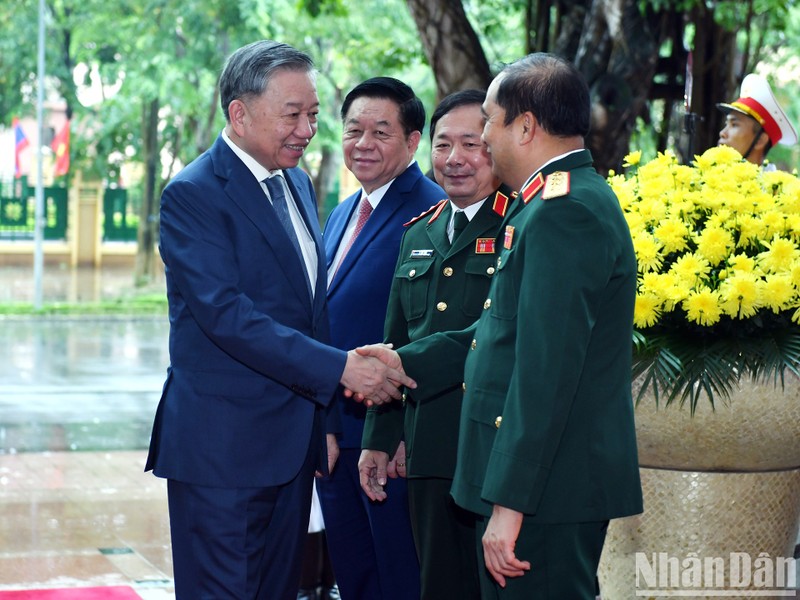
{"type": "Point", "coordinates": [751, 229]}
{"type": "Point", "coordinates": [648, 252]}
{"type": "Point", "coordinates": [778, 293]}
{"type": "Point", "coordinates": [781, 254]}
{"type": "Point", "coordinates": [740, 295]}
{"type": "Point", "coordinates": [690, 269]}
{"type": "Point", "coordinates": [632, 159]}
{"type": "Point", "coordinates": [742, 263]}
{"type": "Point", "coordinates": [646, 311]}
{"type": "Point", "coordinates": [673, 235]}
{"type": "Point", "coordinates": [703, 307]}
{"type": "Point", "coordinates": [714, 244]}
{"type": "Point", "coordinates": [717, 155]}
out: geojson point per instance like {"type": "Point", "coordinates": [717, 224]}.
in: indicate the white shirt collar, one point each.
{"type": "Point", "coordinates": [259, 171]}
{"type": "Point", "coordinates": [377, 195]}
{"type": "Point", "coordinates": [552, 160]}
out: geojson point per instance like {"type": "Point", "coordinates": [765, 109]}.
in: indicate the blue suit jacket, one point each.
{"type": "Point", "coordinates": [249, 357]}
{"type": "Point", "coordinates": [359, 294]}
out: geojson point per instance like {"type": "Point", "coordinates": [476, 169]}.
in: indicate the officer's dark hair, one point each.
{"type": "Point", "coordinates": [248, 70]}
{"type": "Point", "coordinates": [549, 87]}
{"type": "Point", "coordinates": [453, 101]}
{"type": "Point", "coordinates": [412, 112]}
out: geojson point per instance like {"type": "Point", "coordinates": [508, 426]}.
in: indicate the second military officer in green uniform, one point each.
{"type": "Point", "coordinates": [446, 263]}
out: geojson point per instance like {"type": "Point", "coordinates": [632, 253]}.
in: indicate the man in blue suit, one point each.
{"type": "Point", "coordinates": [241, 426]}
{"type": "Point", "coordinates": [371, 545]}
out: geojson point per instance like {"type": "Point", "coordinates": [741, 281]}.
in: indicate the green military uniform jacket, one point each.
{"type": "Point", "coordinates": [437, 287]}
{"type": "Point", "coordinates": [547, 421]}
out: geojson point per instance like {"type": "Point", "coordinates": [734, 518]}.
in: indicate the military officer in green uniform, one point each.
{"type": "Point", "coordinates": [547, 448]}
{"type": "Point", "coordinates": [447, 260]}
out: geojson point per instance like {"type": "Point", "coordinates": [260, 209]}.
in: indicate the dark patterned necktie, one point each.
{"type": "Point", "coordinates": [460, 221]}
{"type": "Point", "coordinates": [279, 203]}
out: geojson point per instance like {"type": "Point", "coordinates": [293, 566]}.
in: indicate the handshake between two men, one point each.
{"type": "Point", "coordinates": [374, 375]}
{"type": "Point", "coordinates": [381, 375]}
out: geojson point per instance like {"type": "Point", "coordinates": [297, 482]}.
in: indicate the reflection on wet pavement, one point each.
{"type": "Point", "coordinates": [79, 384]}
{"type": "Point", "coordinates": [77, 399]}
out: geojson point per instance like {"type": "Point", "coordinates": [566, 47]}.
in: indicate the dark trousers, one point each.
{"type": "Point", "coordinates": [243, 543]}
{"type": "Point", "coordinates": [564, 559]}
{"type": "Point", "coordinates": [317, 572]}
{"type": "Point", "coordinates": [444, 534]}
{"type": "Point", "coordinates": [371, 546]}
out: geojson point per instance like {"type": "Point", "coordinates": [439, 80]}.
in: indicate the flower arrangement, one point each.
{"type": "Point", "coordinates": [718, 293]}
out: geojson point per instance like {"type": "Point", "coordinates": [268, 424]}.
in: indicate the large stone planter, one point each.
{"type": "Point", "coordinates": [722, 486]}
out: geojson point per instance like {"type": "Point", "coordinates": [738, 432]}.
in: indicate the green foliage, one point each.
{"type": "Point", "coordinates": [138, 51]}
{"type": "Point", "coordinates": [144, 304]}
{"type": "Point", "coordinates": [675, 364]}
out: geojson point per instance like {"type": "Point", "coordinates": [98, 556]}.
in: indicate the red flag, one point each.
{"type": "Point", "coordinates": [21, 142]}
{"type": "Point", "coordinates": [60, 148]}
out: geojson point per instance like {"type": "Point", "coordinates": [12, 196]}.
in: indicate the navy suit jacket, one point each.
{"type": "Point", "coordinates": [250, 364]}
{"type": "Point", "coordinates": [359, 293]}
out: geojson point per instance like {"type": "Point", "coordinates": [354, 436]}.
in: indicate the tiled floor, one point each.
{"type": "Point", "coordinates": [95, 516]}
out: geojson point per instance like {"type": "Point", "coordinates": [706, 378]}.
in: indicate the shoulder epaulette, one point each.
{"type": "Point", "coordinates": [439, 209]}
{"type": "Point", "coordinates": [556, 185]}
{"type": "Point", "coordinates": [422, 215]}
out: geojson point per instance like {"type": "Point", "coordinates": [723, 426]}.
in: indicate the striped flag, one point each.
{"type": "Point", "coordinates": [20, 143]}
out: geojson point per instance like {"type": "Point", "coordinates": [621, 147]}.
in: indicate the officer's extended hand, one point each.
{"type": "Point", "coordinates": [372, 473]}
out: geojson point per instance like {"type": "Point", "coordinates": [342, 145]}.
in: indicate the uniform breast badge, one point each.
{"type": "Point", "coordinates": [484, 246]}
{"type": "Point", "coordinates": [421, 253]}
{"type": "Point", "coordinates": [508, 239]}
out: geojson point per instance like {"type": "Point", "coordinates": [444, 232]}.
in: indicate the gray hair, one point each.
{"type": "Point", "coordinates": [248, 70]}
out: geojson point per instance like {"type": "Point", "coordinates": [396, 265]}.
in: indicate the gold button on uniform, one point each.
{"type": "Point", "coordinates": [474, 344]}
{"type": "Point", "coordinates": [497, 422]}
{"type": "Point", "coordinates": [447, 271]}
{"type": "Point", "coordinates": [441, 307]}
{"type": "Point", "coordinates": [490, 271]}
{"type": "Point", "coordinates": [412, 272]}
{"type": "Point", "coordinates": [487, 304]}
{"type": "Point", "coordinates": [464, 386]}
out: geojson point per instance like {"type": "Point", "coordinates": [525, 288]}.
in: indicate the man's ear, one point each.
{"type": "Point", "coordinates": [528, 125]}
{"type": "Point", "coordinates": [413, 142]}
{"type": "Point", "coordinates": [237, 112]}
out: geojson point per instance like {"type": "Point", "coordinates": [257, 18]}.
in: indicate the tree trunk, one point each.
{"type": "Point", "coordinates": [148, 219]}
{"type": "Point", "coordinates": [714, 77]}
{"type": "Point", "coordinates": [617, 54]}
{"type": "Point", "coordinates": [451, 45]}
{"type": "Point", "coordinates": [324, 182]}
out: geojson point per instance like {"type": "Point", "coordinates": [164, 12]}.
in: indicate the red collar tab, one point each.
{"type": "Point", "coordinates": [533, 188]}
{"type": "Point", "coordinates": [501, 202]}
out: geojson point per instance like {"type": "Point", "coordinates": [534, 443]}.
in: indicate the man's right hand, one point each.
{"type": "Point", "coordinates": [373, 375]}
{"type": "Point", "coordinates": [372, 473]}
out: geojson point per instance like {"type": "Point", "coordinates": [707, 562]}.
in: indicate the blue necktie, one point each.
{"type": "Point", "coordinates": [275, 188]}
{"type": "Point", "coordinates": [276, 193]}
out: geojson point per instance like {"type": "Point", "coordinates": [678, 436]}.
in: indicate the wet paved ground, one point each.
{"type": "Point", "coordinates": [79, 384]}
{"type": "Point", "coordinates": [77, 398]}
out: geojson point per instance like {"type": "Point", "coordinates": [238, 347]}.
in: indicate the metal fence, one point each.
{"type": "Point", "coordinates": [119, 220]}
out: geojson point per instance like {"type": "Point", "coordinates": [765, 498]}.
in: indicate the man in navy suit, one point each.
{"type": "Point", "coordinates": [246, 417]}
{"type": "Point", "coordinates": [371, 545]}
